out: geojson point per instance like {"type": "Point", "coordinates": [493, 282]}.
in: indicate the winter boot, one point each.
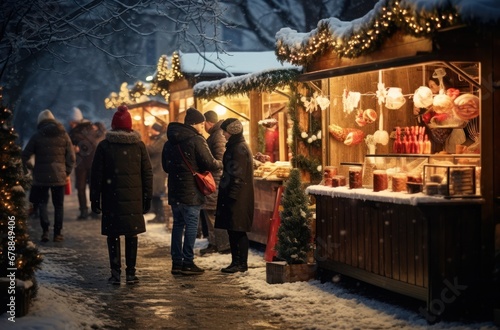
{"type": "Point", "coordinates": [131, 258]}
{"type": "Point", "coordinates": [58, 237]}
{"type": "Point", "coordinates": [45, 236]}
{"type": "Point", "coordinates": [238, 264]}
{"type": "Point", "coordinates": [114, 259]}
{"type": "Point", "coordinates": [84, 214]}
{"type": "Point", "coordinates": [235, 260]}
{"type": "Point", "coordinates": [243, 246]}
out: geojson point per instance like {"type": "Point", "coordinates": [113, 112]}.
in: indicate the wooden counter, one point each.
{"type": "Point", "coordinates": [265, 197]}
{"type": "Point", "coordinates": [428, 248]}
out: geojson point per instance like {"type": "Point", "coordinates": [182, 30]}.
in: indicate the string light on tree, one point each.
{"type": "Point", "coordinates": [13, 184]}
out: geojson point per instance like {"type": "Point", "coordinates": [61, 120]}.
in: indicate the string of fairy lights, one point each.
{"type": "Point", "coordinates": [389, 17]}
{"type": "Point", "coordinates": [13, 204]}
{"type": "Point", "coordinates": [159, 85]}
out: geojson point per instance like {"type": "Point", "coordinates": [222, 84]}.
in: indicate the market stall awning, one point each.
{"type": "Point", "coordinates": [263, 81]}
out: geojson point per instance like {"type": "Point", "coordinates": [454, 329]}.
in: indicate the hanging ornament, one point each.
{"type": "Point", "coordinates": [350, 100]}
{"type": "Point", "coordinates": [359, 118]}
{"type": "Point", "coordinates": [394, 98]}
{"type": "Point", "coordinates": [309, 104]}
{"type": "Point", "coordinates": [323, 102]}
{"type": "Point", "coordinates": [317, 100]}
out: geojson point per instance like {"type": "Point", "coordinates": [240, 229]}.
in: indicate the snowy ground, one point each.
{"type": "Point", "coordinates": [309, 305]}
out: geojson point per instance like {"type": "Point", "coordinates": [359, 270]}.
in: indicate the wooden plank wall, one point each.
{"type": "Point", "coordinates": [386, 240]}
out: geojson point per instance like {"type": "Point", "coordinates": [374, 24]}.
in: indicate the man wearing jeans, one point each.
{"type": "Point", "coordinates": [183, 194]}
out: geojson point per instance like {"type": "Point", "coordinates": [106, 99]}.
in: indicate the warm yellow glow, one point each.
{"type": "Point", "coordinates": [220, 110]}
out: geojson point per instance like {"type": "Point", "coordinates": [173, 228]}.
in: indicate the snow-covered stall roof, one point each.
{"type": "Point", "coordinates": [235, 63]}
{"type": "Point", "coordinates": [266, 80]}
{"type": "Point", "coordinates": [352, 39]}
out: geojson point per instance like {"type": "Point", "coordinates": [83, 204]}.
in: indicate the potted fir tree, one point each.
{"type": "Point", "coordinates": [294, 236]}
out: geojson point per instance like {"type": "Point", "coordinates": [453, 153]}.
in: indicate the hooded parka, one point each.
{"type": "Point", "coordinates": [55, 157]}
{"type": "Point", "coordinates": [235, 203]}
{"type": "Point", "coordinates": [182, 187]}
{"type": "Point", "coordinates": [121, 180]}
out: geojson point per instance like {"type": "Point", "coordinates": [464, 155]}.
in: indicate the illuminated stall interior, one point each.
{"type": "Point", "coordinates": [380, 112]}
{"type": "Point", "coordinates": [264, 118]}
{"type": "Point", "coordinates": [145, 114]}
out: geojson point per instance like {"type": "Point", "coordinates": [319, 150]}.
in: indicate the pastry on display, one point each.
{"type": "Point", "coordinates": [399, 182]}
{"type": "Point", "coordinates": [380, 181]}
{"type": "Point", "coordinates": [355, 179]}
{"type": "Point", "coordinates": [338, 181]}
{"type": "Point", "coordinates": [272, 171]}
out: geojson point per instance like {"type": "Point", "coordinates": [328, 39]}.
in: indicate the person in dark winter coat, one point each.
{"type": "Point", "coordinates": [121, 187]}
{"type": "Point", "coordinates": [157, 139]}
{"type": "Point", "coordinates": [85, 137]}
{"type": "Point", "coordinates": [183, 195]}
{"type": "Point", "coordinates": [218, 240]}
{"type": "Point", "coordinates": [235, 203]}
{"type": "Point", "coordinates": [54, 161]}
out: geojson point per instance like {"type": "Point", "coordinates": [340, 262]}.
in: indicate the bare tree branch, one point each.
{"type": "Point", "coordinates": [31, 27]}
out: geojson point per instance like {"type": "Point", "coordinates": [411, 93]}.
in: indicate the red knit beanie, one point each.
{"type": "Point", "coordinates": [122, 119]}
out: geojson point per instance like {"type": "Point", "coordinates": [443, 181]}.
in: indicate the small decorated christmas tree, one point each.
{"type": "Point", "coordinates": [294, 233]}
{"type": "Point", "coordinates": [19, 257]}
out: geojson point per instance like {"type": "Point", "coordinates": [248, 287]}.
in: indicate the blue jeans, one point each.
{"type": "Point", "coordinates": [185, 222]}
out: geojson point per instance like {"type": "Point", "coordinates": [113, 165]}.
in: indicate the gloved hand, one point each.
{"type": "Point", "coordinates": [96, 207]}
{"type": "Point", "coordinates": [146, 205]}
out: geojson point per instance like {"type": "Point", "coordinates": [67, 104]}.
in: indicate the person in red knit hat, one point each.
{"type": "Point", "coordinates": [122, 119]}
{"type": "Point", "coordinates": [121, 188]}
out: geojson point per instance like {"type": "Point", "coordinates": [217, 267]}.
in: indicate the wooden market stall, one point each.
{"type": "Point", "coordinates": [191, 69]}
{"type": "Point", "coordinates": [435, 244]}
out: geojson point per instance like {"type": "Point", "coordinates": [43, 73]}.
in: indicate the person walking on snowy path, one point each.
{"type": "Point", "coordinates": [121, 187]}
{"type": "Point", "coordinates": [85, 137]}
{"type": "Point", "coordinates": [54, 161]}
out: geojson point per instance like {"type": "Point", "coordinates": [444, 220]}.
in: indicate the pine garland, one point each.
{"type": "Point", "coordinates": [294, 233]}
{"type": "Point", "coordinates": [386, 18]}
{"type": "Point", "coordinates": [302, 162]}
{"type": "Point", "coordinates": [265, 81]}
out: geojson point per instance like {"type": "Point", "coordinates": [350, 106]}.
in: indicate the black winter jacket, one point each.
{"type": "Point", "coordinates": [120, 181]}
{"type": "Point", "coordinates": [181, 185]}
{"type": "Point", "coordinates": [54, 154]}
{"type": "Point", "coordinates": [235, 203]}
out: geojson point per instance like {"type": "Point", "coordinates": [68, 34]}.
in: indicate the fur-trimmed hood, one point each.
{"type": "Point", "coordinates": [123, 137]}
